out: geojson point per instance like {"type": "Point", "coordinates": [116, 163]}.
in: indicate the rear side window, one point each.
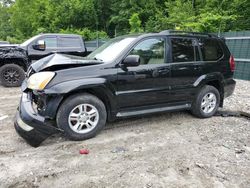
{"type": "Point", "coordinates": [69, 42]}
{"type": "Point", "coordinates": [184, 50]}
{"type": "Point", "coordinates": [210, 49]}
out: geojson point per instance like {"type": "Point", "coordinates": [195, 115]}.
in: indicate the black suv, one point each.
{"type": "Point", "coordinates": [127, 76]}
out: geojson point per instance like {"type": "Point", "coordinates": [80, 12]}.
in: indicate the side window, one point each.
{"type": "Point", "coordinates": [69, 42]}
{"type": "Point", "coordinates": [184, 50]}
{"type": "Point", "coordinates": [210, 49]}
{"type": "Point", "coordinates": [151, 51]}
{"type": "Point", "coordinates": [51, 42]}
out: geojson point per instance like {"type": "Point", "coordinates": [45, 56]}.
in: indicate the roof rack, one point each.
{"type": "Point", "coordinates": [168, 32]}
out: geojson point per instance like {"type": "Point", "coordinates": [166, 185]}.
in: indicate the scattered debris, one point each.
{"type": "Point", "coordinates": [3, 117]}
{"type": "Point", "coordinates": [239, 151]}
{"type": "Point", "coordinates": [223, 113]}
{"type": "Point", "coordinates": [84, 151]}
{"type": "Point", "coordinates": [119, 150]}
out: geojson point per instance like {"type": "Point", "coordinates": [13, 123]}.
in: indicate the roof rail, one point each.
{"type": "Point", "coordinates": [168, 32]}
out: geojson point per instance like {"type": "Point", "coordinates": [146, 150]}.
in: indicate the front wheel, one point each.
{"type": "Point", "coordinates": [11, 75]}
{"type": "Point", "coordinates": [206, 103]}
{"type": "Point", "coordinates": [81, 116]}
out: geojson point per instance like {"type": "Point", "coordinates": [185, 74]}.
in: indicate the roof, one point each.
{"type": "Point", "coordinates": [58, 34]}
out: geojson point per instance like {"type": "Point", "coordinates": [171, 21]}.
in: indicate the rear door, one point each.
{"type": "Point", "coordinates": [186, 68]}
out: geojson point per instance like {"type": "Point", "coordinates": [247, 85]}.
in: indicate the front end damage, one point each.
{"type": "Point", "coordinates": [36, 116]}
{"type": "Point", "coordinates": [13, 52]}
{"type": "Point", "coordinates": [32, 122]}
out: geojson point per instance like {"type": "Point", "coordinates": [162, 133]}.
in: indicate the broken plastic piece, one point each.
{"type": "Point", "coordinates": [84, 151]}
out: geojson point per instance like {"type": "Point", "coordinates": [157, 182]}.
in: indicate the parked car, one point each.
{"type": "Point", "coordinates": [127, 76]}
{"type": "Point", "coordinates": [15, 59]}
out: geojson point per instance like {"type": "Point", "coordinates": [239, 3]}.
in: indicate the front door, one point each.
{"type": "Point", "coordinates": [51, 47]}
{"type": "Point", "coordinates": [148, 83]}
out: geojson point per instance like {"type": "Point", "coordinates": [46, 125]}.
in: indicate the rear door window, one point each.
{"type": "Point", "coordinates": [210, 49]}
{"type": "Point", "coordinates": [69, 42]}
{"type": "Point", "coordinates": [51, 42]}
{"type": "Point", "coordinates": [184, 50]}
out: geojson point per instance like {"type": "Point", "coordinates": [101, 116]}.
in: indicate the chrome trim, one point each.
{"type": "Point", "coordinates": [240, 59]}
{"type": "Point", "coordinates": [237, 38]}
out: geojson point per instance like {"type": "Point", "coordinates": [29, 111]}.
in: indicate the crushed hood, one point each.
{"type": "Point", "coordinates": [60, 61]}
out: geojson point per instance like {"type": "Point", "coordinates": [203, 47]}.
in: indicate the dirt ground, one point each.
{"type": "Point", "coordinates": [162, 150]}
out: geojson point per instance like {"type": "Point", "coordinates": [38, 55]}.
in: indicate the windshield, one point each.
{"type": "Point", "coordinates": [111, 49]}
{"type": "Point", "coordinates": [27, 42]}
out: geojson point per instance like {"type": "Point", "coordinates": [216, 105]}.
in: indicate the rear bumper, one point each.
{"type": "Point", "coordinates": [229, 87]}
{"type": "Point", "coordinates": [30, 125]}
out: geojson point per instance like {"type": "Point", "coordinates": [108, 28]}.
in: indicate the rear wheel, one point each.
{"type": "Point", "coordinates": [81, 116]}
{"type": "Point", "coordinates": [11, 75]}
{"type": "Point", "coordinates": [206, 103]}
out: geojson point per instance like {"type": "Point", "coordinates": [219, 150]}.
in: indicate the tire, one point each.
{"type": "Point", "coordinates": [69, 117]}
{"type": "Point", "coordinates": [11, 75]}
{"type": "Point", "coordinates": [206, 103]}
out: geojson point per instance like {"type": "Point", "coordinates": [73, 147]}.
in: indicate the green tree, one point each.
{"type": "Point", "coordinates": [135, 23]}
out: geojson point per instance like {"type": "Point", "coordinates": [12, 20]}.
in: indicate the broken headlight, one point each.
{"type": "Point", "coordinates": [38, 81]}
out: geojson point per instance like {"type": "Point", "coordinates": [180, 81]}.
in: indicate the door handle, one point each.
{"type": "Point", "coordinates": [164, 70]}
{"type": "Point", "coordinates": [197, 67]}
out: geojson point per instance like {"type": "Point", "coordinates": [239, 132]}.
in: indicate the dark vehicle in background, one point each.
{"type": "Point", "coordinates": [4, 42]}
{"type": "Point", "coordinates": [127, 76]}
{"type": "Point", "coordinates": [15, 59]}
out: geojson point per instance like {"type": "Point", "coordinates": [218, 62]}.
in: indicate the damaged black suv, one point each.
{"type": "Point", "coordinates": [127, 76]}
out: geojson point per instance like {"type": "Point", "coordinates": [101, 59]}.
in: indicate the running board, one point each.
{"type": "Point", "coordinates": [149, 111]}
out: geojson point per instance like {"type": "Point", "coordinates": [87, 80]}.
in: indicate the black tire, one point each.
{"type": "Point", "coordinates": [11, 75]}
{"type": "Point", "coordinates": [197, 104]}
{"type": "Point", "coordinates": [69, 104]}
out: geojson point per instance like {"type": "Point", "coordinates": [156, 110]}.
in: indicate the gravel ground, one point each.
{"type": "Point", "coordinates": [162, 150]}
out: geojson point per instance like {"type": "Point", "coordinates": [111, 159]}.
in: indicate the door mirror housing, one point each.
{"type": "Point", "coordinates": [40, 45]}
{"type": "Point", "coordinates": [131, 61]}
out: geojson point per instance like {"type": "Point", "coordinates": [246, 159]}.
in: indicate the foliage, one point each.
{"type": "Point", "coordinates": [135, 23]}
{"type": "Point", "coordinates": [86, 33]}
{"type": "Point", "coordinates": [21, 19]}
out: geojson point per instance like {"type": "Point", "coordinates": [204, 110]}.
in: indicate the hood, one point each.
{"type": "Point", "coordinates": [8, 45]}
{"type": "Point", "coordinates": [60, 61]}
{"type": "Point", "coordinates": [12, 51]}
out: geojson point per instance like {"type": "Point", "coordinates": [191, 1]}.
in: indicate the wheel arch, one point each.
{"type": "Point", "coordinates": [17, 61]}
{"type": "Point", "coordinates": [100, 92]}
{"type": "Point", "coordinates": [215, 80]}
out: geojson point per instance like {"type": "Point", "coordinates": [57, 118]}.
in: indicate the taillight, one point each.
{"type": "Point", "coordinates": [232, 63]}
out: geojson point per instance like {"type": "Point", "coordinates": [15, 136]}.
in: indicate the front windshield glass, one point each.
{"type": "Point", "coordinates": [111, 49]}
{"type": "Point", "coordinates": [27, 42]}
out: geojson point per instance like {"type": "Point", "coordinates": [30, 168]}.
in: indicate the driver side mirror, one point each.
{"type": "Point", "coordinates": [40, 45]}
{"type": "Point", "coordinates": [131, 61]}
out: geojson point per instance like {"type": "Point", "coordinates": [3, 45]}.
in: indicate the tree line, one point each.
{"type": "Point", "coordinates": [21, 19]}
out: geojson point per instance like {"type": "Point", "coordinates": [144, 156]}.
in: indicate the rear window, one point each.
{"type": "Point", "coordinates": [210, 49]}
{"type": "Point", "coordinates": [69, 42]}
{"type": "Point", "coordinates": [184, 50]}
